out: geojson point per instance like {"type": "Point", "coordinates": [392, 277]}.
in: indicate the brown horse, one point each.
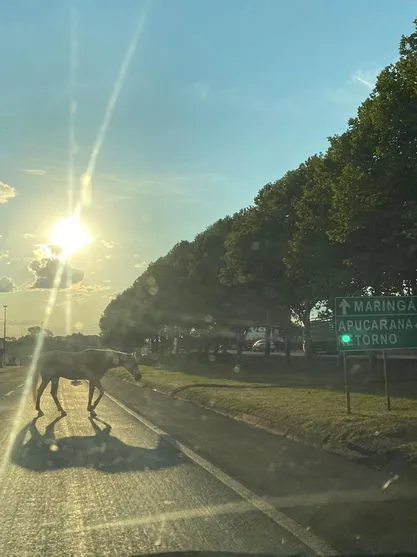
{"type": "Point", "coordinates": [90, 364]}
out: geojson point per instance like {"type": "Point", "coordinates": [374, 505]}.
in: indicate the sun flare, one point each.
{"type": "Point", "coordinates": [70, 235]}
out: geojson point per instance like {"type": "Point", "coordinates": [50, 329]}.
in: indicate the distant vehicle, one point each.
{"type": "Point", "coordinates": [259, 346]}
{"type": "Point", "coordinates": [323, 338]}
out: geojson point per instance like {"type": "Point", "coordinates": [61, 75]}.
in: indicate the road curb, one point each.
{"type": "Point", "coordinates": [253, 421]}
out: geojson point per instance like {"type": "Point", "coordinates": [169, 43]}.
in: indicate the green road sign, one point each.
{"type": "Point", "coordinates": [376, 323]}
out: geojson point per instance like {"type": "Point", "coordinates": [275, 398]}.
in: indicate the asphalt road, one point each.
{"type": "Point", "coordinates": [114, 486]}
{"type": "Point", "coordinates": [156, 475]}
{"type": "Point", "coordinates": [354, 507]}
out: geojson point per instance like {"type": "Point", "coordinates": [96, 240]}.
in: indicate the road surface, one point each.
{"type": "Point", "coordinates": [121, 486]}
{"type": "Point", "coordinates": [74, 486]}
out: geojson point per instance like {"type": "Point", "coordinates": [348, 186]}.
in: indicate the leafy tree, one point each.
{"type": "Point", "coordinates": [374, 201]}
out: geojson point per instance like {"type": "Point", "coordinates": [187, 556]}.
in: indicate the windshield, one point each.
{"type": "Point", "coordinates": [208, 278]}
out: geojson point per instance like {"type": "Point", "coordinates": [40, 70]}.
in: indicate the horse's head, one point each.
{"type": "Point", "coordinates": [130, 362]}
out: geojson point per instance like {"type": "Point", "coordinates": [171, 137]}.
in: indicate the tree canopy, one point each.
{"type": "Point", "coordinates": [344, 222]}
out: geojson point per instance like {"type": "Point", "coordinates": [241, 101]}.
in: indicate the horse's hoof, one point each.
{"type": "Point", "coordinates": [40, 414]}
{"type": "Point", "coordinates": [93, 414]}
{"type": "Point", "coordinates": [63, 413]}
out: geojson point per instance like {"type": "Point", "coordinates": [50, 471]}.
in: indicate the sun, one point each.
{"type": "Point", "coordinates": [70, 235]}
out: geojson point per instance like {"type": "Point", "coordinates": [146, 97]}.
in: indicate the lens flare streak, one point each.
{"type": "Point", "coordinates": [86, 180]}
{"type": "Point", "coordinates": [84, 197]}
{"type": "Point", "coordinates": [73, 62]}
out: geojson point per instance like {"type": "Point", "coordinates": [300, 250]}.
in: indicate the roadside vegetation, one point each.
{"type": "Point", "coordinates": [341, 224]}
{"type": "Point", "coordinates": [308, 404]}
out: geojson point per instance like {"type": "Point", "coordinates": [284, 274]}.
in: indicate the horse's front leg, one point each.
{"type": "Point", "coordinates": [90, 396]}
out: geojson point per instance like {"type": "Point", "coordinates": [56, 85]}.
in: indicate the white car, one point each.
{"type": "Point", "coordinates": [259, 346]}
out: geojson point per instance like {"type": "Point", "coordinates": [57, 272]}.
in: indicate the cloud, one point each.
{"type": "Point", "coordinates": [108, 245]}
{"type": "Point", "coordinates": [34, 171]}
{"type": "Point", "coordinates": [6, 192]}
{"type": "Point", "coordinates": [89, 288]}
{"type": "Point", "coordinates": [28, 235]}
{"type": "Point", "coordinates": [365, 78]}
{"type": "Point", "coordinates": [7, 284]}
{"type": "Point", "coordinates": [142, 265]}
{"type": "Point", "coordinates": [241, 100]}
{"type": "Point", "coordinates": [46, 251]}
{"type": "Point", "coordinates": [45, 270]}
{"type": "Point", "coordinates": [355, 90]}
{"type": "Point", "coordinates": [81, 292]}
{"type": "Point", "coordinates": [202, 91]}
{"type": "Point", "coordinates": [157, 185]}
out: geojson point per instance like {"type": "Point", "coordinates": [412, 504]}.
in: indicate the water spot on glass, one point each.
{"type": "Point", "coordinates": [153, 290]}
{"type": "Point", "coordinates": [236, 369]}
{"type": "Point", "coordinates": [241, 278]}
{"type": "Point", "coordinates": [212, 358]}
{"type": "Point", "coordinates": [53, 447]}
{"type": "Point", "coordinates": [255, 245]}
{"type": "Point", "coordinates": [208, 318]}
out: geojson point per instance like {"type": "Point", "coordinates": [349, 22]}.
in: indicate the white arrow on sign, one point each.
{"type": "Point", "coordinates": [344, 304]}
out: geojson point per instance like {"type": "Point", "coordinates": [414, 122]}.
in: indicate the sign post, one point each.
{"type": "Point", "coordinates": [347, 392]}
{"type": "Point", "coordinates": [387, 396]}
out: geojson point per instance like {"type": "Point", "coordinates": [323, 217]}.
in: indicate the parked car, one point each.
{"type": "Point", "coordinates": [259, 346]}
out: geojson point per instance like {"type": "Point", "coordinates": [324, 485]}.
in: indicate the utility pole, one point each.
{"type": "Point", "coordinates": [4, 334]}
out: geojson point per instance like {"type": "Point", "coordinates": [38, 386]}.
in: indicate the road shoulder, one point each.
{"type": "Point", "coordinates": [318, 489]}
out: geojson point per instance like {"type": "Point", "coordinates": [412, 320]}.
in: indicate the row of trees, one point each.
{"type": "Point", "coordinates": [20, 349]}
{"type": "Point", "coordinates": [343, 223]}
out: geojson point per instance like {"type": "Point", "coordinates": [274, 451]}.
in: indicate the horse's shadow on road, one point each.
{"type": "Point", "coordinates": [101, 451]}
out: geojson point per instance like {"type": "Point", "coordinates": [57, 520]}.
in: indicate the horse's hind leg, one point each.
{"type": "Point", "coordinates": [99, 387]}
{"type": "Point", "coordinates": [54, 394]}
{"type": "Point", "coordinates": [41, 388]}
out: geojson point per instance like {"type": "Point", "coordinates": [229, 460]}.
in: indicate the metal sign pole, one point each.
{"type": "Point", "coordinates": [347, 392]}
{"type": "Point", "coordinates": [387, 396]}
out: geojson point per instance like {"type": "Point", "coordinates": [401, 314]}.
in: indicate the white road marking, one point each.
{"type": "Point", "coordinates": [305, 536]}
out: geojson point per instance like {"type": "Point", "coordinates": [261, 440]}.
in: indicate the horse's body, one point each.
{"type": "Point", "coordinates": [90, 364]}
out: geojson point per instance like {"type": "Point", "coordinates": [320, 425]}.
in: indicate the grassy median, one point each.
{"type": "Point", "coordinates": [306, 407]}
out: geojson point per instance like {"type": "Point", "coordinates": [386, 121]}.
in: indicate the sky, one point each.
{"type": "Point", "coordinates": [214, 99]}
